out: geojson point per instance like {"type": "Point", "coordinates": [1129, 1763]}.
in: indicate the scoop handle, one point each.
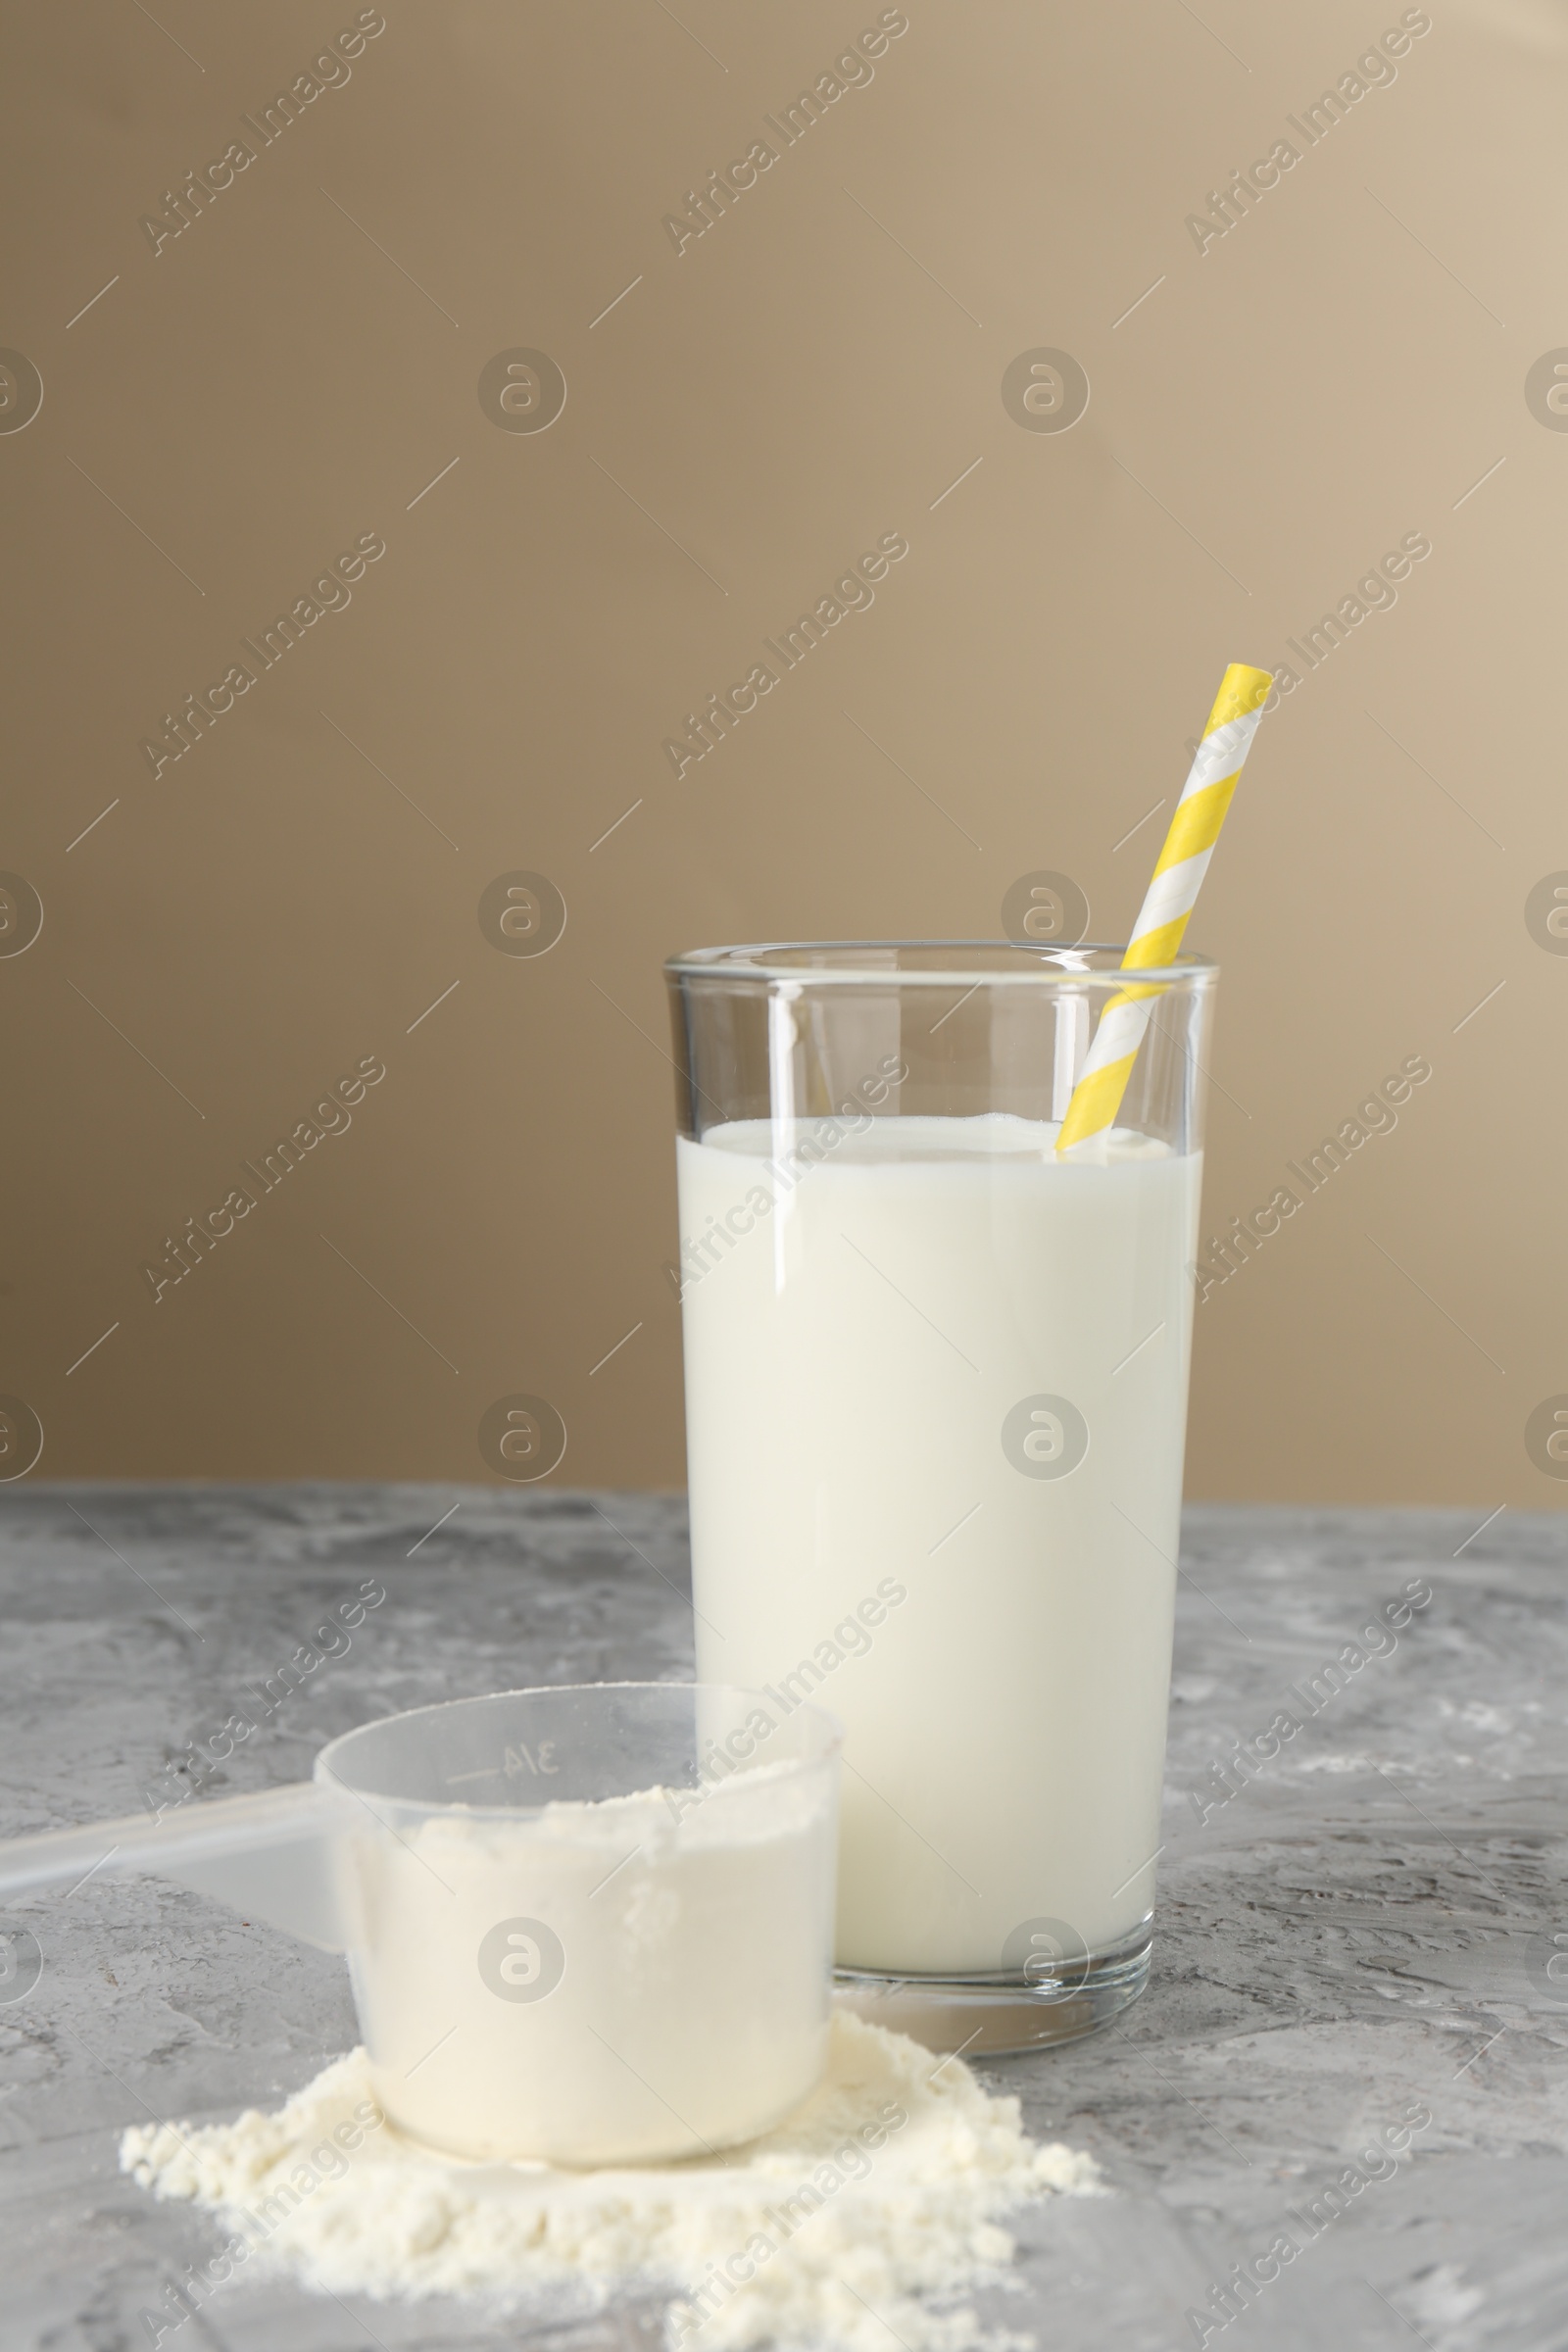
{"type": "Point", "coordinates": [274, 1855]}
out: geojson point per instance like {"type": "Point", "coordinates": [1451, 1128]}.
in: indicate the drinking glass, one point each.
{"type": "Point", "coordinates": [936, 1393]}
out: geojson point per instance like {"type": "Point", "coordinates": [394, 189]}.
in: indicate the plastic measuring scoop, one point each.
{"type": "Point", "coordinates": [588, 1925]}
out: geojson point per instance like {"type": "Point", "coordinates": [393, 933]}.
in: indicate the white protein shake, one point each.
{"type": "Point", "coordinates": [893, 1517]}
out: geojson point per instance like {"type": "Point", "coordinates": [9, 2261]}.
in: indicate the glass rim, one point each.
{"type": "Point", "coordinates": [1046, 967]}
{"type": "Point", "coordinates": [827, 1743]}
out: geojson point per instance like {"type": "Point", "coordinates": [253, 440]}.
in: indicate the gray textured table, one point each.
{"type": "Point", "coordinates": [1365, 1926]}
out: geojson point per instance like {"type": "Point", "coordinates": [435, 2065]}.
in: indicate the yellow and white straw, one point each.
{"type": "Point", "coordinates": [1168, 901]}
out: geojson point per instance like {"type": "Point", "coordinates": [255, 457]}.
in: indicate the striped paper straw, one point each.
{"type": "Point", "coordinates": [1168, 901]}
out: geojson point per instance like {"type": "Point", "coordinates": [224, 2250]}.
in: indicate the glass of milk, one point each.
{"type": "Point", "coordinates": [935, 1398]}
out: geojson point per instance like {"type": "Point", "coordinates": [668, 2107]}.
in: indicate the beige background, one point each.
{"type": "Point", "coordinates": [817, 371]}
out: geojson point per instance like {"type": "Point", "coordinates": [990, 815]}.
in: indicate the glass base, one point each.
{"type": "Point", "coordinates": [992, 2016]}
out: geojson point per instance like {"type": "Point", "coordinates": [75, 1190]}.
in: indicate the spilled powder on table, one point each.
{"type": "Point", "coordinates": [873, 2208]}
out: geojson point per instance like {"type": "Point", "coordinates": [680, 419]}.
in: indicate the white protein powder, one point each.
{"type": "Point", "coordinates": [678, 1942]}
{"type": "Point", "coordinates": [859, 2219]}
